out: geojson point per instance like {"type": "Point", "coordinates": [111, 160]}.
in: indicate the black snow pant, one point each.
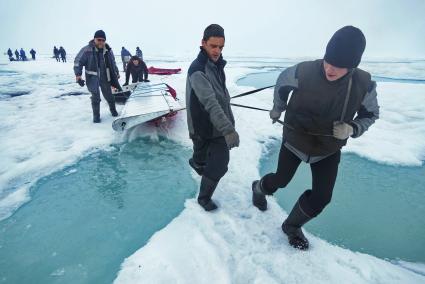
{"type": "Point", "coordinates": [63, 59]}
{"type": "Point", "coordinates": [214, 154]}
{"type": "Point", "coordinates": [137, 77]}
{"type": "Point", "coordinates": [105, 87]}
{"type": "Point", "coordinates": [57, 58]}
{"type": "Point", "coordinates": [324, 174]}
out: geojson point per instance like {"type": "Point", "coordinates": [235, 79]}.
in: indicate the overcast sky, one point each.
{"type": "Point", "coordinates": [277, 28]}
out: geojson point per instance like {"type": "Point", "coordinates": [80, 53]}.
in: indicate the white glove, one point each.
{"type": "Point", "coordinates": [342, 130]}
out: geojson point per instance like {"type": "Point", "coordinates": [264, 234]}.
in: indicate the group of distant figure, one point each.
{"type": "Point", "coordinates": [20, 55]}
{"type": "Point", "coordinates": [59, 54]}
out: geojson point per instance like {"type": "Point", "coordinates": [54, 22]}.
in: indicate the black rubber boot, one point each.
{"type": "Point", "coordinates": [113, 109]}
{"type": "Point", "coordinates": [258, 197]}
{"type": "Point", "coordinates": [96, 112]}
{"type": "Point", "coordinates": [205, 193]}
{"type": "Point", "coordinates": [197, 167]}
{"type": "Point", "coordinates": [292, 228]}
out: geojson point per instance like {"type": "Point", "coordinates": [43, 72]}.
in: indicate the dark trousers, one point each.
{"type": "Point", "coordinates": [214, 154]}
{"type": "Point", "coordinates": [63, 59]}
{"type": "Point", "coordinates": [138, 77]}
{"type": "Point", "coordinates": [324, 174]}
{"type": "Point", "coordinates": [105, 87]}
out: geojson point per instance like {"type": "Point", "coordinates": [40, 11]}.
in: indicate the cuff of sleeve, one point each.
{"type": "Point", "coordinates": [228, 131]}
{"type": "Point", "coordinates": [355, 129]}
{"type": "Point", "coordinates": [278, 108]}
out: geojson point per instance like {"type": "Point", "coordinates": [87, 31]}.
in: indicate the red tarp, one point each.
{"type": "Point", "coordinates": [163, 71]}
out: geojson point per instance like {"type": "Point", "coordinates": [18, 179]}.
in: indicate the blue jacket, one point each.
{"type": "Point", "coordinates": [87, 57]}
{"type": "Point", "coordinates": [125, 52]}
{"type": "Point", "coordinates": [22, 52]}
{"type": "Point", "coordinates": [139, 53]}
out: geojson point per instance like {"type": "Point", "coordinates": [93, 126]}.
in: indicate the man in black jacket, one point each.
{"type": "Point", "coordinates": [138, 70]}
{"type": "Point", "coordinates": [331, 101]}
{"type": "Point", "coordinates": [56, 53]}
{"type": "Point", "coordinates": [62, 53]}
{"type": "Point", "coordinates": [209, 116]}
{"type": "Point", "coordinates": [33, 52]}
{"type": "Point", "coordinates": [10, 54]}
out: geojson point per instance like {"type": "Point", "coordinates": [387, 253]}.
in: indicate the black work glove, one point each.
{"type": "Point", "coordinates": [81, 82]}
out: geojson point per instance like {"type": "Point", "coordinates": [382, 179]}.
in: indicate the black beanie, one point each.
{"type": "Point", "coordinates": [213, 30]}
{"type": "Point", "coordinates": [346, 47]}
{"type": "Point", "coordinates": [100, 34]}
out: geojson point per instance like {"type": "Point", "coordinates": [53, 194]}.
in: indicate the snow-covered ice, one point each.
{"type": "Point", "coordinates": [398, 137]}
{"type": "Point", "coordinates": [49, 129]}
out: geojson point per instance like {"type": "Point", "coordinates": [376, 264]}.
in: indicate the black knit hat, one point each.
{"type": "Point", "coordinates": [346, 47]}
{"type": "Point", "coordinates": [100, 34]}
{"type": "Point", "coordinates": [213, 30]}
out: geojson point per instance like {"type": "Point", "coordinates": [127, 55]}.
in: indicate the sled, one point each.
{"type": "Point", "coordinates": [148, 103]}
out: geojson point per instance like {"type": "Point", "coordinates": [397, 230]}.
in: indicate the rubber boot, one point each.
{"type": "Point", "coordinates": [113, 109]}
{"type": "Point", "coordinates": [199, 168]}
{"type": "Point", "coordinates": [258, 197]}
{"type": "Point", "coordinates": [96, 112]}
{"type": "Point", "coordinates": [205, 193]}
{"type": "Point", "coordinates": [292, 228]}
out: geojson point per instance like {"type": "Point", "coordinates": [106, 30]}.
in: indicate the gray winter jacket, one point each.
{"type": "Point", "coordinates": [209, 114]}
{"type": "Point", "coordinates": [88, 58]}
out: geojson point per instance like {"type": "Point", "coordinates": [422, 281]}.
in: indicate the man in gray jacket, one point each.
{"type": "Point", "coordinates": [331, 101]}
{"type": "Point", "coordinates": [209, 116]}
{"type": "Point", "coordinates": [101, 72]}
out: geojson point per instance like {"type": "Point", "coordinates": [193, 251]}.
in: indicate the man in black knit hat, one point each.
{"type": "Point", "coordinates": [101, 72]}
{"type": "Point", "coordinates": [331, 101]}
{"type": "Point", "coordinates": [209, 115]}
